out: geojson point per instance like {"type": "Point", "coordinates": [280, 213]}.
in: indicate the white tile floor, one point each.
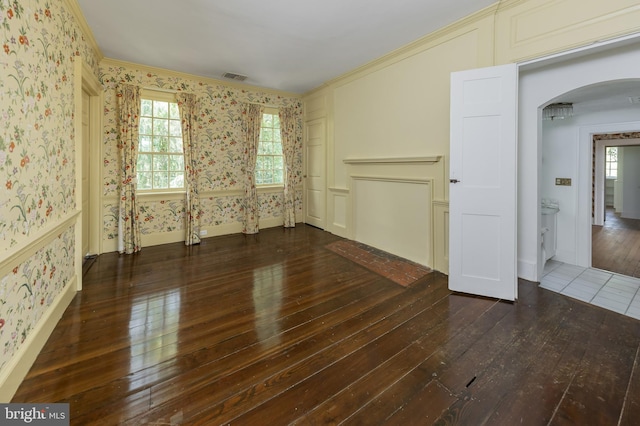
{"type": "Point", "coordinates": [617, 293]}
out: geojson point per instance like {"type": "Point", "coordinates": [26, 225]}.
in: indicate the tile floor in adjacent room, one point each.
{"type": "Point", "coordinates": [618, 293]}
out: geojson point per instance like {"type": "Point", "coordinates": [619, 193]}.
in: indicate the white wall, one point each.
{"type": "Point", "coordinates": [539, 87]}
{"type": "Point", "coordinates": [631, 179]}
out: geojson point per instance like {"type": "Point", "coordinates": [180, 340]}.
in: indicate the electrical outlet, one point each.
{"type": "Point", "coordinates": [563, 181]}
{"type": "Point", "coordinates": [203, 232]}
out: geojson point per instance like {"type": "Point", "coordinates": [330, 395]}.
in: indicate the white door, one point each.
{"type": "Point", "coordinates": [315, 180]}
{"type": "Point", "coordinates": [483, 188]}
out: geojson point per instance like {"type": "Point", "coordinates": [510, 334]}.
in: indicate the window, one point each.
{"type": "Point", "coordinates": [269, 162]}
{"type": "Point", "coordinates": [160, 155]}
{"type": "Point", "coordinates": [611, 161]}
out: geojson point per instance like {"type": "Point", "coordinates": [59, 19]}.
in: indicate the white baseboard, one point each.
{"type": "Point", "coordinates": [527, 270]}
{"type": "Point", "coordinates": [17, 368]}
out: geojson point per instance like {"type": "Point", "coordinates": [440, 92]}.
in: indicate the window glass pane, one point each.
{"type": "Point", "coordinates": [278, 163]}
{"type": "Point", "coordinates": [176, 180]}
{"type": "Point", "coordinates": [268, 163]}
{"type": "Point", "coordinates": [144, 180]}
{"type": "Point", "coordinates": [268, 176]}
{"type": "Point", "coordinates": [175, 128]}
{"type": "Point", "coordinates": [145, 108]}
{"type": "Point", "coordinates": [160, 180]}
{"type": "Point", "coordinates": [277, 136]}
{"type": "Point", "coordinates": [160, 162]}
{"type": "Point", "coordinates": [176, 163]}
{"type": "Point", "coordinates": [266, 134]}
{"type": "Point", "coordinates": [175, 145]}
{"type": "Point", "coordinates": [278, 176]}
{"type": "Point", "coordinates": [160, 144]}
{"type": "Point", "coordinates": [161, 109]}
{"type": "Point", "coordinates": [267, 120]}
{"type": "Point", "coordinates": [144, 162]}
{"type": "Point", "coordinates": [161, 127]}
{"type": "Point", "coordinates": [262, 148]}
{"type": "Point", "coordinates": [145, 126]}
{"type": "Point", "coordinates": [277, 148]}
{"type": "Point", "coordinates": [174, 111]}
{"type": "Point", "coordinates": [145, 144]}
{"type": "Point", "coordinates": [276, 120]}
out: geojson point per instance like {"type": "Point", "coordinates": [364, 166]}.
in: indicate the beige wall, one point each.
{"type": "Point", "coordinates": [398, 106]}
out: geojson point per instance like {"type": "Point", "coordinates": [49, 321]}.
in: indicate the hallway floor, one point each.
{"type": "Point", "coordinates": [615, 292]}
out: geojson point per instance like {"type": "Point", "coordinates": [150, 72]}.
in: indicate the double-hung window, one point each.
{"type": "Point", "coordinates": [611, 161]}
{"type": "Point", "coordinates": [270, 161]}
{"type": "Point", "coordinates": [160, 165]}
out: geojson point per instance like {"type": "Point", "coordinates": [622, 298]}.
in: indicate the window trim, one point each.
{"type": "Point", "coordinates": [272, 111]}
{"type": "Point", "coordinates": [162, 96]}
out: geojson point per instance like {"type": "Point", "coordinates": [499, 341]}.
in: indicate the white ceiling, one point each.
{"type": "Point", "coordinates": [290, 45]}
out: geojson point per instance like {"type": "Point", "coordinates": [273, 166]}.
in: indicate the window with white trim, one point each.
{"type": "Point", "coordinates": [160, 165]}
{"type": "Point", "coordinates": [611, 161]}
{"type": "Point", "coordinates": [270, 161]}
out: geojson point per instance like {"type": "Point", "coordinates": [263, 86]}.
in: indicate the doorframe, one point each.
{"type": "Point", "coordinates": [85, 80]}
{"type": "Point", "coordinates": [585, 155]}
{"type": "Point", "coordinates": [599, 187]}
{"type": "Point", "coordinates": [527, 268]}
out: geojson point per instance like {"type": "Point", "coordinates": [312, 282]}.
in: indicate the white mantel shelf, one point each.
{"type": "Point", "coordinates": [394, 160]}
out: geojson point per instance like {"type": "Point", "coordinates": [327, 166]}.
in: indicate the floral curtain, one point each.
{"type": "Point", "coordinates": [252, 118]}
{"type": "Point", "coordinates": [128, 101]}
{"type": "Point", "coordinates": [189, 113]}
{"type": "Point", "coordinates": [288, 130]}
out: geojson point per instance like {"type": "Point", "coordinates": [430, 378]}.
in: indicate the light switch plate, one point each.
{"type": "Point", "coordinates": [563, 181]}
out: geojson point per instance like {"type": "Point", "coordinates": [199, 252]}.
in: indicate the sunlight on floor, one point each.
{"type": "Point", "coordinates": [618, 293]}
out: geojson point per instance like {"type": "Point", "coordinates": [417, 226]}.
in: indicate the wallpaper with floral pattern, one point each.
{"type": "Point", "coordinates": [40, 42]}
{"type": "Point", "coordinates": [220, 156]}
{"type": "Point", "coordinates": [28, 291]}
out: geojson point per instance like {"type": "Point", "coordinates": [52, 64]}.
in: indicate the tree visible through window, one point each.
{"type": "Point", "coordinates": [270, 163]}
{"type": "Point", "coordinates": [160, 155]}
{"type": "Point", "coordinates": [611, 161]}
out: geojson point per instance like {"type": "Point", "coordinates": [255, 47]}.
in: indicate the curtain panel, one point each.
{"type": "Point", "coordinates": [189, 114]}
{"type": "Point", "coordinates": [251, 120]}
{"type": "Point", "coordinates": [128, 102]}
{"type": "Point", "coordinates": [289, 142]}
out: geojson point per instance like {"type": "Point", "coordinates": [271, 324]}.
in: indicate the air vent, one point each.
{"type": "Point", "coordinates": [634, 99]}
{"type": "Point", "coordinates": [234, 76]}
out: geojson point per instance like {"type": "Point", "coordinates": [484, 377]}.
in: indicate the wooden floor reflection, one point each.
{"type": "Point", "coordinates": [276, 329]}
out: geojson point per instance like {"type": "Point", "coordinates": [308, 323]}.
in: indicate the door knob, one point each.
{"type": "Point", "coordinates": [454, 180]}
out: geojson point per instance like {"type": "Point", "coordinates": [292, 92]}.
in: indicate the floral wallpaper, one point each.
{"type": "Point", "coordinates": [41, 42]}
{"type": "Point", "coordinates": [220, 150]}
{"type": "Point", "coordinates": [28, 291]}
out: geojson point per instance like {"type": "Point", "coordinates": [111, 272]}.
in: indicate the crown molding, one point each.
{"type": "Point", "coordinates": [84, 27]}
{"type": "Point", "coordinates": [208, 80]}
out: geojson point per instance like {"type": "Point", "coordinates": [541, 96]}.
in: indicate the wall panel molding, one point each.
{"type": "Point", "coordinates": [539, 28]}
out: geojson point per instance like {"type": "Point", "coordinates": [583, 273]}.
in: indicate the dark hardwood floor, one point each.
{"type": "Point", "coordinates": [616, 245]}
{"type": "Point", "coordinates": [276, 329]}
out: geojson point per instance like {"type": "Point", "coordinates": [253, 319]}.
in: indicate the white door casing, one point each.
{"type": "Point", "coordinates": [483, 188]}
{"type": "Point", "coordinates": [86, 183]}
{"type": "Point", "coordinates": [315, 178]}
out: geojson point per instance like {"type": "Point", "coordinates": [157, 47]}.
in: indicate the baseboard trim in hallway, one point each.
{"type": "Point", "coordinates": [615, 292]}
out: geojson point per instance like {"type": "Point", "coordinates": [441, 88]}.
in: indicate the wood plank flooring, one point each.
{"type": "Point", "coordinates": [616, 245]}
{"type": "Point", "coordinates": [277, 329]}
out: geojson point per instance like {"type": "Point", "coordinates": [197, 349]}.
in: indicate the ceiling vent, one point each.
{"type": "Point", "coordinates": [634, 99]}
{"type": "Point", "coordinates": [233, 76]}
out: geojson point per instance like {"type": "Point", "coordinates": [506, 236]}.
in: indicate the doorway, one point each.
{"type": "Point", "coordinates": [585, 81]}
